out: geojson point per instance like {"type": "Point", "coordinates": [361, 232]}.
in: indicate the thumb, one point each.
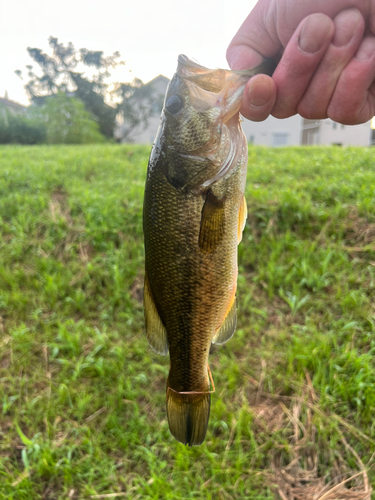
{"type": "Point", "coordinates": [254, 41]}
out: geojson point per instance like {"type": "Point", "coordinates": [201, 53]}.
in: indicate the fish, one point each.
{"type": "Point", "coordinates": [194, 213]}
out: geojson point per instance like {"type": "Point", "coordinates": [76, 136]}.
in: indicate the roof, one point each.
{"type": "Point", "coordinates": [159, 78]}
{"type": "Point", "coordinates": [12, 105]}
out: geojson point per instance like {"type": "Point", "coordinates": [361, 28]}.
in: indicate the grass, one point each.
{"type": "Point", "coordinates": [82, 397]}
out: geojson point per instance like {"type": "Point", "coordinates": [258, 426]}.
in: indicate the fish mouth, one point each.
{"type": "Point", "coordinates": [224, 86]}
{"type": "Point", "coordinates": [210, 88]}
{"type": "Point", "coordinates": [211, 80]}
{"type": "Point", "coordinates": [189, 67]}
{"type": "Point", "coordinates": [219, 93]}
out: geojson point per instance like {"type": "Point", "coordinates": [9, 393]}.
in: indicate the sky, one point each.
{"type": "Point", "coordinates": [149, 34]}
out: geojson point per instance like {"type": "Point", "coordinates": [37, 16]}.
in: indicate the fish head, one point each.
{"type": "Point", "coordinates": [201, 132]}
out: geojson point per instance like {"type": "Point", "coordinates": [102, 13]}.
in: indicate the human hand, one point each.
{"type": "Point", "coordinates": [327, 65]}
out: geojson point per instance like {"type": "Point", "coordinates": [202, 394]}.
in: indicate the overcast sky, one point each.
{"type": "Point", "coordinates": [149, 34]}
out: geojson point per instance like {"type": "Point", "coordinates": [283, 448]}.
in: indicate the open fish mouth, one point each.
{"type": "Point", "coordinates": [189, 67]}
{"type": "Point", "coordinates": [217, 87]}
{"type": "Point", "coordinates": [212, 80]}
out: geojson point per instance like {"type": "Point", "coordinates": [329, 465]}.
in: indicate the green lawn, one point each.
{"type": "Point", "coordinates": [82, 397]}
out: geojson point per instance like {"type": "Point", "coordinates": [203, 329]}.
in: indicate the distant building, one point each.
{"type": "Point", "coordinates": [297, 131]}
{"type": "Point", "coordinates": [142, 134]}
{"type": "Point", "coordinates": [327, 132]}
{"type": "Point", "coordinates": [11, 106]}
{"type": "Point", "coordinates": [273, 132]}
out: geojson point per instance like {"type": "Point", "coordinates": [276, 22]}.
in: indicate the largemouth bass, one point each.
{"type": "Point", "coordinates": [194, 214]}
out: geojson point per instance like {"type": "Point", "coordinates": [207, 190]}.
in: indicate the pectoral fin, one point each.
{"type": "Point", "coordinates": [228, 327]}
{"type": "Point", "coordinates": [242, 216]}
{"type": "Point", "coordinates": [212, 228]}
{"type": "Point", "coordinates": [155, 330]}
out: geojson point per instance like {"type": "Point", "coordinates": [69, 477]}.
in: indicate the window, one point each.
{"type": "Point", "coordinates": [279, 139]}
{"type": "Point", "coordinates": [334, 125]}
{"type": "Point", "coordinates": [251, 139]}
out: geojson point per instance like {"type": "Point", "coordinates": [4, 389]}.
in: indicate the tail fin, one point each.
{"type": "Point", "coordinates": [188, 416]}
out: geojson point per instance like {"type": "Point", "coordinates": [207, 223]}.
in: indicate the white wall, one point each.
{"type": "Point", "coordinates": [288, 132]}
{"type": "Point", "coordinates": [274, 132]}
{"type": "Point", "coordinates": [346, 135]}
{"type": "Point", "coordinates": [142, 134]}
{"type": "Point", "coordinates": [146, 135]}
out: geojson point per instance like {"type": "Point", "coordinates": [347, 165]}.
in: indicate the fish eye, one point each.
{"type": "Point", "coordinates": [174, 104]}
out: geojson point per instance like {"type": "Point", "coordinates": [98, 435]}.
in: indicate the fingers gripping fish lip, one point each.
{"type": "Point", "coordinates": [189, 67]}
{"type": "Point", "coordinates": [224, 85]}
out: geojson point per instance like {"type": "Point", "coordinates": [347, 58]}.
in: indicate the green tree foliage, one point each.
{"type": "Point", "coordinates": [84, 73]}
{"type": "Point", "coordinates": [20, 129]}
{"type": "Point", "coordinates": [67, 121]}
{"type": "Point", "coordinates": [64, 71]}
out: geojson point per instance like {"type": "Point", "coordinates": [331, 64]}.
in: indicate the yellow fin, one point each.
{"type": "Point", "coordinates": [188, 416]}
{"type": "Point", "coordinates": [212, 228]}
{"type": "Point", "coordinates": [155, 330]}
{"type": "Point", "coordinates": [227, 329]}
{"type": "Point", "coordinates": [242, 216]}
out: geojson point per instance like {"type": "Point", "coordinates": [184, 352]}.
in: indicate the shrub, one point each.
{"type": "Point", "coordinates": [68, 122]}
{"type": "Point", "coordinates": [20, 129]}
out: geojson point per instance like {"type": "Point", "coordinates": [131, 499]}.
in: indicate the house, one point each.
{"type": "Point", "coordinates": [11, 106]}
{"type": "Point", "coordinates": [142, 134]}
{"type": "Point", "coordinates": [273, 132]}
{"type": "Point", "coordinates": [327, 132]}
{"type": "Point", "coordinates": [297, 131]}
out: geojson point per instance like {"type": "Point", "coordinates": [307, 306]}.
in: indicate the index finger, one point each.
{"type": "Point", "coordinates": [270, 25]}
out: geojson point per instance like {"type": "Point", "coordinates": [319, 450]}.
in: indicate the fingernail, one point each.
{"type": "Point", "coordinates": [346, 25]}
{"type": "Point", "coordinates": [314, 33]}
{"type": "Point", "coordinates": [366, 49]}
{"type": "Point", "coordinates": [260, 91]}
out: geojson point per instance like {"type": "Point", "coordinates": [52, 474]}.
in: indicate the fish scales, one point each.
{"type": "Point", "coordinates": [192, 287]}
{"type": "Point", "coordinates": [193, 217]}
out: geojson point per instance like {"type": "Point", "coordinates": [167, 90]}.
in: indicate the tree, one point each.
{"type": "Point", "coordinates": [84, 73]}
{"type": "Point", "coordinates": [67, 121]}
{"type": "Point", "coordinates": [63, 71]}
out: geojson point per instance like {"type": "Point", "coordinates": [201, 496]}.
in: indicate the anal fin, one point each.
{"type": "Point", "coordinates": [228, 327]}
{"type": "Point", "coordinates": [155, 330]}
{"type": "Point", "coordinates": [242, 216]}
